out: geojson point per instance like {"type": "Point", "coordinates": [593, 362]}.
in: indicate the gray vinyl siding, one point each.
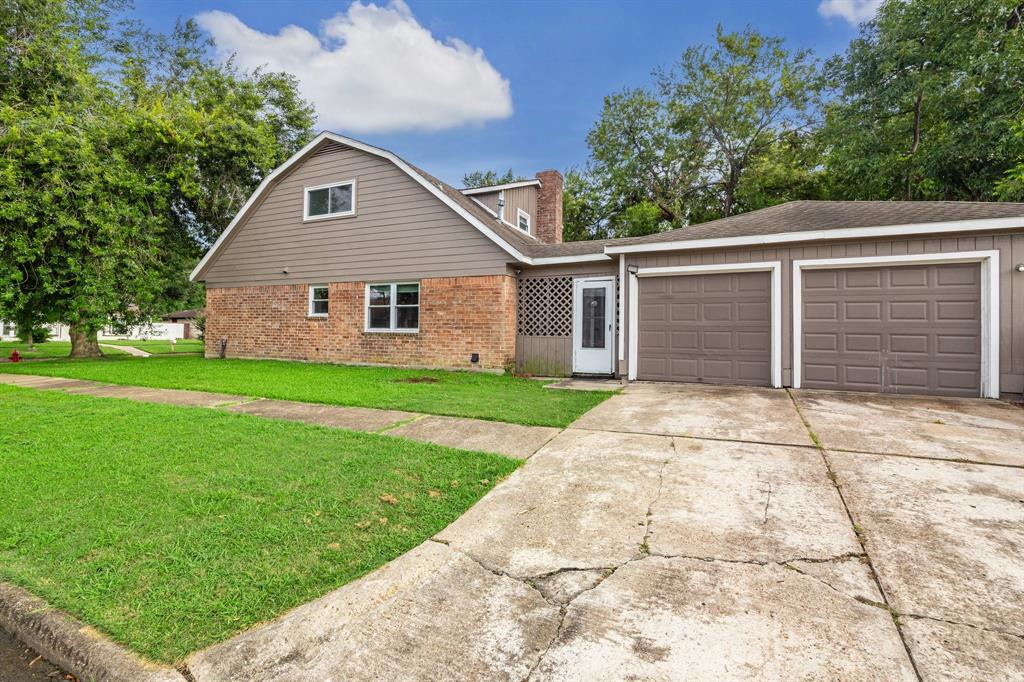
{"type": "Point", "coordinates": [1011, 284]}
{"type": "Point", "coordinates": [552, 355]}
{"type": "Point", "coordinates": [519, 197]}
{"type": "Point", "coordinates": [400, 231]}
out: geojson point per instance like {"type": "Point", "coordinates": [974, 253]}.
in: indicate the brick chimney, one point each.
{"type": "Point", "coordinates": [548, 227]}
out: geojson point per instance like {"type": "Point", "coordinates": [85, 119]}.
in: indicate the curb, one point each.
{"type": "Point", "coordinates": [72, 645]}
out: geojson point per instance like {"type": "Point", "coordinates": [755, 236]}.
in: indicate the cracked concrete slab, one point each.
{"type": "Point", "coordinates": [946, 538]}
{"type": "Point", "coordinates": [673, 619]}
{"type": "Point", "coordinates": [721, 412]}
{"type": "Point", "coordinates": [749, 502]}
{"type": "Point", "coordinates": [849, 575]}
{"type": "Point", "coordinates": [945, 652]}
{"type": "Point", "coordinates": [431, 614]}
{"type": "Point", "coordinates": [581, 502]}
{"type": "Point", "coordinates": [513, 440]}
{"type": "Point", "coordinates": [924, 426]}
{"type": "Point", "coordinates": [353, 418]}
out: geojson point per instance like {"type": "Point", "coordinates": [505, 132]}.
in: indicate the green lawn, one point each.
{"type": "Point", "coordinates": [460, 394]}
{"type": "Point", "coordinates": [49, 349]}
{"type": "Point", "coordinates": [158, 346]}
{"type": "Point", "coordinates": [170, 528]}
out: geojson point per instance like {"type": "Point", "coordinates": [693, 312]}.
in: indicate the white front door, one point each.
{"type": "Point", "coordinates": [593, 320]}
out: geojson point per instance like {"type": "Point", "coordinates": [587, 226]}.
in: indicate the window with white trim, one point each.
{"type": "Point", "coordinates": [393, 307]}
{"type": "Point", "coordinates": [523, 220]}
{"type": "Point", "coordinates": [318, 300]}
{"type": "Point", "coordinates": [330, 201]}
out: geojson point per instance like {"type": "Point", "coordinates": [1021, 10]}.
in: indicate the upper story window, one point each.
{"type": "Point", "coordinates": [318, 300]}
{"type": "Point", "coordinates": [523, 220]}
{"type": "Point", "coordinates": [331, 201]}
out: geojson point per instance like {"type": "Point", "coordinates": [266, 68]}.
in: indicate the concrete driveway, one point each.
{"type": "Point", "coordinates": [697, 532]}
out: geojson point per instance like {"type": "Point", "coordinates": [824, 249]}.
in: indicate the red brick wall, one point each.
{"type": "Point", "coordinates": [548, 224]}
{"type": "Point", "coordinates": [458, 316]}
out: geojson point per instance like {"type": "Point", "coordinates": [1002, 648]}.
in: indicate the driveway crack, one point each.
{"type": "Point", "coordinates": [996, 631]}
{"type": "Point", "coordinates": [857, 532]}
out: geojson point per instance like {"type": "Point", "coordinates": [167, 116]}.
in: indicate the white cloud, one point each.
{"type": "Point", "coordinates": [373, 69]}
{"type": "Point", "coordinates": [854, 11]}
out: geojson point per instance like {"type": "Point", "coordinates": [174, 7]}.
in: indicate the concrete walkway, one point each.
{"type": "Point", "coordinates": [699, 533]}
{"type": "Point", "coordinates": [130, 350]}
{"type": "Point", "coordinates": [513, 440]}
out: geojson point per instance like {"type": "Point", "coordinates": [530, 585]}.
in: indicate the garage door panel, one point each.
{"type": "Point", "coordinates": [653, 312]}
{"type": "Point", "coordinates": [822, 311]}
{"type": "Point", "coordinates": [862, 310]}
{"type": "Point", "coordinates": [909, 343]}
{"type": "Point", "coordinates": [957, 310]}
{"type": "Point", "coordinates": [683, 312]}
{"type": "Point", "coordinates": [721, 334]}
{"type": "Point", "coordinates": [948, 344]}
{"type": "Point", "coordinates": [685, 341]}
{"type": "Point", "coordinates": [925, 337]}
{"type": "Point", "coordinates": [654, 339]}
{"type": "Point", "coordinates": [907, 277]}
{"type": "Point", "coordinates": [916, 311]}
{"type": "Point", "coordinates": [755, 341]}
{"type": "Point", "coordinates": [752, 311]}
{"type": "Point", "coordinates": [861, 343]}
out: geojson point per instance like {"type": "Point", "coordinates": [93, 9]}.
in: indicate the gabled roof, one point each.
{"type": "Point", "coordinates": [519, 246]}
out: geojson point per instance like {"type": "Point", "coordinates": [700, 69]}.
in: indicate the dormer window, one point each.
{"type": "Point", "coordinates": [523, 219]}
{"type": "Point", "coordinates": [331, 201]}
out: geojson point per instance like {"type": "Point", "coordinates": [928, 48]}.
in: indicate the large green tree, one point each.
{"type": "Point", "coordinates": [122, 156]}
{"type": "Point", "coordinates": [928, 96]}
{"type": "Point", "coordinates": [727, 128]}
{"type": "Point", "coordinates": [747, 97]}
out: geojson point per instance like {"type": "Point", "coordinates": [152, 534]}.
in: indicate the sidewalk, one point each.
{"type": "Point", "coordinates": [512, 440]}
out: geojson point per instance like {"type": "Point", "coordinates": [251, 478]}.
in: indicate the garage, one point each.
{"type": "Point", "coordinates": [910, 329]}
{"type": "Point", "coordinates": [710, 328]}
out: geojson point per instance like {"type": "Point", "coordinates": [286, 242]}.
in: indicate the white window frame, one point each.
{"type": "Point", "coordinates": [309, 301]}
{"type": "Point", "coordinates": [989, 261]}
{"type": "Point", "coordinates": [392, 328]}
{"type": "Point", "coordinates": [774, 267]}
{"type": "Point", "coordinates": [340, 214]}
{"type": "Point", "coordinates": [520, 214]}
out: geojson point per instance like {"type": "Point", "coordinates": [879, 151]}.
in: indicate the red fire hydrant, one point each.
{"type": "Point", "coordinates": [15, 356]}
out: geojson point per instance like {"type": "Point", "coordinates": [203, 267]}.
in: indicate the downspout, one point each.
{"type": "Point", "coordinates": [501, 205]}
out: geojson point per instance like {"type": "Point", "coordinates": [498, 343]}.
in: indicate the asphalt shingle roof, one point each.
{"type": "Point", "coordinates": [805, 216]}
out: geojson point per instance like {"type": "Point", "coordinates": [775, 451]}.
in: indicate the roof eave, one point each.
{"type": "Point", "coordinates": [817, 235]}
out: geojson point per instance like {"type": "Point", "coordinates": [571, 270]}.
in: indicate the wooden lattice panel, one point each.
{"type": "Point", "coordinates": [545, 307]}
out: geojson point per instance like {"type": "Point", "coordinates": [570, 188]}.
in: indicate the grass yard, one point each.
{"type": "Point", "coordinates": [459, 394]}
{"type": "Point", "coordinates": [161, 346]}
{"type": "Point", "coordinates": [170, 528]}
{"type": "Point", "coordinates": [49, 349]}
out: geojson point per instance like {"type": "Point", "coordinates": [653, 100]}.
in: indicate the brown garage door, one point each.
{"type": "Point", "coordinates": [893, 329]}
{"type": "Point", "coordinates": [709, 328]}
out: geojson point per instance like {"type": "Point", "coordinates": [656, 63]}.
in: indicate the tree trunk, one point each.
{"type": "Point", "coordinates": [915, 145]}
{"type": "Point", "coordinates": [83, 342]}
{"type": "Point", "coordinates": [30, 340]}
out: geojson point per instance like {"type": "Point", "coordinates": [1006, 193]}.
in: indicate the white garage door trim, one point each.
{"type": "Point", "coordinates": [774, 267]}
{"type": "Point", "coordinates": [989, 302]}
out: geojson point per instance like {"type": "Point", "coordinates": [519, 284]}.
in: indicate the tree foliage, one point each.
{"type": "Point", "coordinates": [928, 96]}
{"type": "Point", "coordinates": [122, 156]}
{"type": "Point", "coordinates": [725, 127]}
{"type": "Point", "coordinates": [489, 178]}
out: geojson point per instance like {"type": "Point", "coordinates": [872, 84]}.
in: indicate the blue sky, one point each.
{"type": "Point", "coordinates": [527, 102]}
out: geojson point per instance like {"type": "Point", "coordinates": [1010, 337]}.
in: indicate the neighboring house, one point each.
{"type": "Point", "coordinates": [347, 253]}
{"type": "Point", "coordinates": [186, 318]}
